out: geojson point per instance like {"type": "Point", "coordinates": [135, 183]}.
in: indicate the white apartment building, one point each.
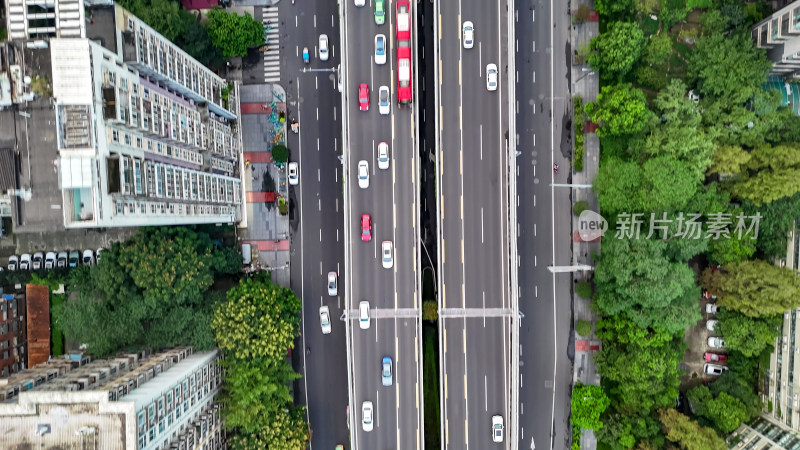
{"type": "Point", "coordinates": [780, 35]}
{"type": "Point", "coordinates": [144, 135]}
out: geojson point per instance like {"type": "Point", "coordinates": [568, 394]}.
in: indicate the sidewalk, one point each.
{"type": "Point", "coordinates": [585, 84]}
{"type": "Point", "coordinates": [265, 183]}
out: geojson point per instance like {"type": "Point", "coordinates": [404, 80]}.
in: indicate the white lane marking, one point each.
{"type": "Point", "coordinates": [316, 82]}
{"type": "Point", "coordinates": [482, 226]}
{"type": "Point", "coordinates": [480, 130]}
{"type": "Point", "coordinates": [317, 144]}
{"type": "Point", "coordinates": [315, 21]}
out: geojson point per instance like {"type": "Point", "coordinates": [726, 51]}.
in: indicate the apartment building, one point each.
{"type": "Point", "coordinates": [143, 133]}
{"type": "Point", "coordinates": [763, 433]}
{"type": "Point", "coordinates": [780, 35]}
{"type": "Point", "coordinates": [133, 401]}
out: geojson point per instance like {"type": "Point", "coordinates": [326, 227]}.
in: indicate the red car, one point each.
{"type": "Point", "coordinates": [714, 357]}
{"type": "Point", "coordinates": [363, 97]}
{"type": "Point", "coordinates": [366, 227]}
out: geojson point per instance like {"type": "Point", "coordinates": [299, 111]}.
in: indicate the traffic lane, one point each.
{"type": "Point", "coordinates": [487, 383]}
{"type": "Point", "coordinates": [454, 413]}
{"type": "Point", "coordinates": [407, 385]}
{"type": "Point", "coordinates": [404, 181]}
{"type": "Point", "coordinates": [371, 346]}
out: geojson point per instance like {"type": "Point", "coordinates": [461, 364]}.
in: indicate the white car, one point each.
{"type": "Point", "coordinates": [359, 3]}
{"type": "Point", "coordinates": [25, 261]}
{"type": "Point", "coordinates": [49, 260]}
{"type": "Point", "coordinates": [332, 289]}
{"type": "Point", "coordinates": [384, 102]}
{"type": "Point", "coordinates": [61, 260]}
{"type": "Point", "coordinates": [491, 77]}
{"type": "Point", "coordinates": [38, 260]}
{"type": "Point", "coordinates": [711, 308]}
{"type": "Point", "coordinates": [383, 156]}
{"type": "Point", "coordinates": [713, 369]}
{"type": "Point", "coordinates": [366, 416]}
{"type": "Point", "coordinates": [386, 251]}
{"type": "Point", "coordinates": [363, 315]}
{"type": "Point", "coordinates": [323, 47]}
{"type": "Point", "coordinates": [380, 49]}
{"type": "Point", "coordinates": [497, 428]}
{"type": "Point", "coordinates": [711, 325]}
{"type": "Point", "coordinates": [469, 34]}
{"type": "Point", "coordinates": [294, 174]}
{"type": "Point", "coordinates": [716, 342]}
{"type": "Point", "coordinates": [13, 262]}
{"type": "Point", "coordinates": [325, 319]}
{"type": "Point", "coordinates": [88, 257]}
{"type": "Point", "coordinates": [363, 174]}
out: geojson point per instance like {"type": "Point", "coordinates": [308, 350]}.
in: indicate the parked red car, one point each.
{"type": "Point", "coordinates": [714, 357]}
{"type": "Point", "coordinates": [363, 97]}
{"type": "Point", "coordinates": [366, 227]}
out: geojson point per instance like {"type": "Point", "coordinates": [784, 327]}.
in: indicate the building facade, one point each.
{"type": "Point", "coordinates": [764, 433]}
{"type": "Point", "coordinates": [779, 34]}
{"type": "Point", "coordinates": [133, 401]}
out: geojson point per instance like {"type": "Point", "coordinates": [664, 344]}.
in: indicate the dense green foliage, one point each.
{"type": "Point", "coordinates": [588, 403]}
{"type": "Point", "coordinates": [151, 291]}
{"type": "Point", "coordinates": [619, 110]}
{"type": "Point", "coordinates": [255, 327]}
{"type": "Point", "coordinates": [688, 433]}
{"type": "Point", "coordinates": [754, 288]}
{"type": "Point", "coordinates": [615, 51]}
{"type": "Point", "coordinates": [234, 34]}
{"type": "Point", "coordinates": [748, 335]}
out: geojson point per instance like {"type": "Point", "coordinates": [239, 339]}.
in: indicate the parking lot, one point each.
{"type": "Point", "coordinates": [696, 338]}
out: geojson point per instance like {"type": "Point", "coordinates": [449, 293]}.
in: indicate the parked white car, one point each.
{"type": "Point", "coordinates": [13, 262]}
{"type": "Point", "coordinates": [711, 325]}
{"type": "Point", "coordinates": [714, 369]}
{"type": "Point", "coordinates": [711, 308]}
{"type": "Point", "coordinates": [38, 260]}
{"type": "Point", "coordinates": [294, 174]}
{"type": "Point", "coordinates": [49, 260]}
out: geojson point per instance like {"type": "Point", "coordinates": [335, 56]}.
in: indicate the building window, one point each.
{"type": "Point", "coordinates": [115, 136]}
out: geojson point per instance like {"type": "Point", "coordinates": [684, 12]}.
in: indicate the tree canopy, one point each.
{"type": "Point", "coordinates": [620, 109]}
{"type": "Point", "coordinates": [748, 335]}
{"type": "Point", "coordinates": [588, 404]}
{"type": "Point", "coordinates": [234, 34]}
{"type": "Point", "coordinates": [688, 433]}
{"type": "Point", "coordinates": [724, 411]}
{"type": "Point", "coordinates": [616, 50]}
{"type": "Point", "coordinates": [754, 288]}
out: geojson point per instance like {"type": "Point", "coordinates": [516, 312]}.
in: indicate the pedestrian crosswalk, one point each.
{"type": "Point", "coordinates": [272, 63]}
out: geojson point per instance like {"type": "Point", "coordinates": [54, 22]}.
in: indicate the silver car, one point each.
{"type": "Point", "coordinates": [332, 289]}
{"type": "Point", "coordinates": [363, 174]}
{"type": "Point", "coordinates": [38, 260]}
{"type": "Point", "coordinates": [384, 104]}
{"type": "Point", "coordinates": [713, 369]}
{"type": "Point", "coordinates": [491, 77]}
{"type": "Point", "coordinates": [366, 416]}
{"type": "Point", "coordinates": [294, 174]}
{"type": "Point", "coordinates": [386, 250]}
{"type": "Point", "coordinates": [325, 319]}
{"type": "Point", "coordinates": [383, 156]}
{"type": "Point", "coordinates": [469, 34]}
{"type": "Point", "coordinates": [49, 260]}
{"type": "Point", "coordinates": [13, 262]}
{"type": "Point", "coordinates": [323, 47]}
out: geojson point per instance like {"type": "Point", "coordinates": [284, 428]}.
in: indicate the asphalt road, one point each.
{"type": "Point", "coordinates": [390, 199]}
{"type": "Point", "coordinates": [317, 214]}
{"type": "Point", "coordinates": [474, 301]}
{"type": "Point", "coordinates": [543, 122]}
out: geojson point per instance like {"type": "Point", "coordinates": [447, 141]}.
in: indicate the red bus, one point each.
{"type": "Point", "coordinates": [404, 75]}
{"type": "Point", "coordinates": [403, 22]}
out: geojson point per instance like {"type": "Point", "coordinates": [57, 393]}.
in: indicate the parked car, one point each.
{"type": "Point", "coordinates": [714, 369]}
{"type": "Point", "coordinates": [13, 262]}
{"type": "Point", "coordinates": [708, 296]}
{"type": "Point", "coordinates": [366, 416]}
{"type": "Point", "coordinates": [38, 260]}
{"type": "Point", "coordinates": [25, 261]}
{"type": "Point", "coordinates": [88, 257]}
{"type": "Point", "coordinates": [61, 260]}
{"type": "Point", "coordinates": [74, 258]}
{"type": "Point", "coordinates": [325, 319]}
{"type": "Point", "coordinates": [386, 371]}
{"type": "Point", "coordinates": [332, 288]}
{"type": "Point", "coordinates": [711, 308]}
{"type": "Point", "coordinates": [714, 357]}
{"type": "Point", "coordinates": [49, 260]}
{"type": "Point", "coordinates": [716, 342]}
{"type": "Point", "coordinates": [97, 254]}
{"type": "Point", "coordinates": [497, 428]}
{"type": "Point", "coordinates": [711, 325]}
{"type": "Point", "coordinates": [363, 314]}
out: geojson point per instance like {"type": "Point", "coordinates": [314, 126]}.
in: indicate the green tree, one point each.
{"type": "Point", "coordinates": [588, 404]}
{"type": "Point", "coordinates": [169, 265]}
{"type": "Point", "coordinates": [748, 335]}
{"type": "Point", "coordinates": [616, 50]}
{"type": "Point", "coordinates": [729, 160]}
{"type": "Point", "coordinates": [672, 12]}
{"type": "Point", "coordinates": [777, 219]}
{"type": "Point", "coordinates": [227, 260]}
{"type": "Point", "coordinates": [725, 412]}
{"type": "Point", "coordinates": [735, 385]}
{"type": "Point", "coordinates": [732, 249]}
{"type": "Point", "coordinates": [584, 289]}
{"type": "Point", "coordinates": [639, 365]}
{"type": "Point", "coordinates": [280, 428]}
{"type": "Point", "coordinates": [771, 173]}
{"type": "Point", "coordinates": [197, 43]}
{"type": "Point", "coordinates": [614, 8]}
{"type": "Point", "coordinates": [651, 77]}
{"type": "Point", "coordinates": [430, 310]}
{"type": "Point", "coordinates": [623, 431]}
{"type": "Point", "coordinates": [280, 154]}
{"type": "Point", "coordinates": [583, 328]}
{"type": "Point", "coordinates": [658, 49]}
{"type": "Point", "coordinates": [234, 34]}
{"type": "Point", "coordinates": [729, 66]}
{"type": "Point", "coordinates": [620, 109]}
{"type": "Point", "coordinates": [259, 320]}
{"type": "Point", "coordinates": [688, 433]}
{"type": "Point", "coordinates": [254, 388]}
{"type": "Point", "coordinates": [754, 288]}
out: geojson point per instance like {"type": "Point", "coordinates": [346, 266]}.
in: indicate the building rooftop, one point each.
{"type": "Point", "coordinates": [37, 298]}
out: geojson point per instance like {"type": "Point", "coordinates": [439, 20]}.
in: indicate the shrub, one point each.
{"type": "Point", "coordinates": [579, 207]}
{"type": "Point", "coordinates": [280, 154]}
{"type": "Point", "coordinates": [584, 289]}
{"type": "Point", "coordinates": [581, 14]}
{"type": "Point", "coordinates": [584, 328]}
{"type": "Point", "coordinates": [430, 310]}
{"type": "Point", "coordinates": [283, 208]}
{"type": "Point", "coordinates": [579, 122]}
